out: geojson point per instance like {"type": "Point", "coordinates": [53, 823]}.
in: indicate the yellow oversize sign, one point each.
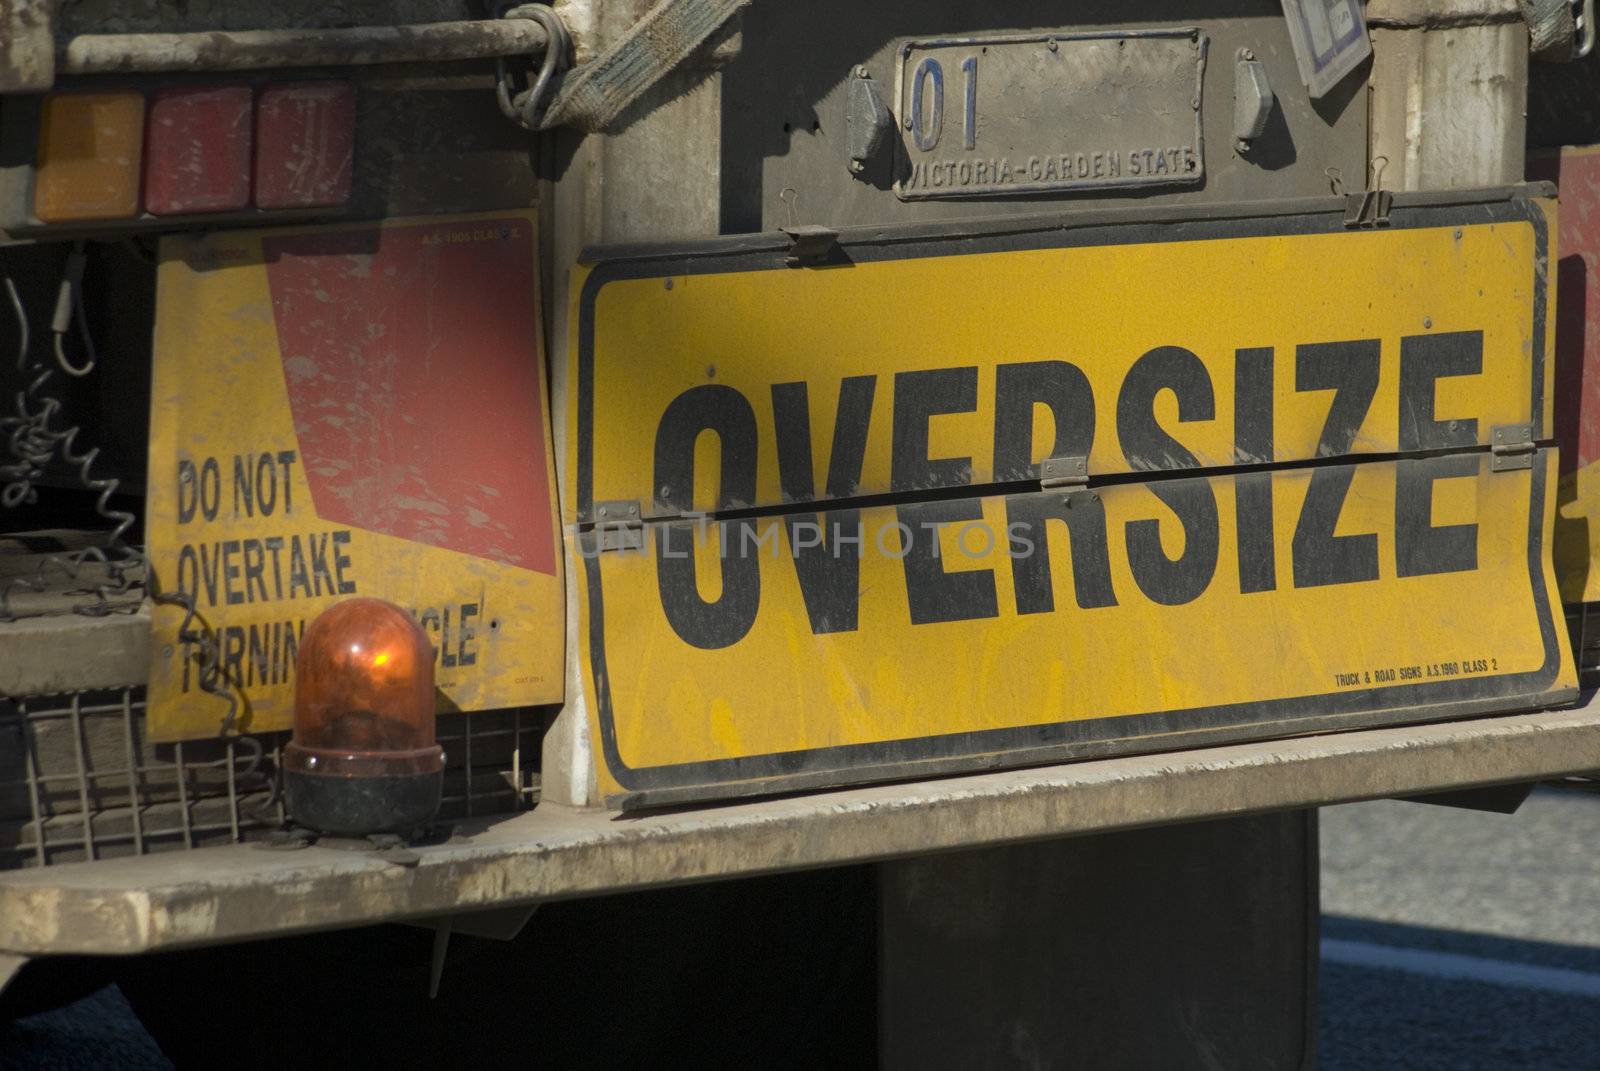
{"type": "Point", "coordinates": [950, 504]}
{"type": "Point", "coordinates": [348, 411]}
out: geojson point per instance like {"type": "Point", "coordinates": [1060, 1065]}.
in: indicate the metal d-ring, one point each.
{"type": "Point", "coordinates": [528, 108]}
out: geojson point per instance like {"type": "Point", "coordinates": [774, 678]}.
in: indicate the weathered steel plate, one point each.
{"type": "Point", "coordinates": [1365, 558]}
{"type": "Point", "coordinates": [1041, 113]}
{"type": "Point", "coordinates": [351, 410]}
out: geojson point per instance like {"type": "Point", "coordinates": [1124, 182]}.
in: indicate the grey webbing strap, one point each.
{"type": "Point", "coordinates": [594, 94]}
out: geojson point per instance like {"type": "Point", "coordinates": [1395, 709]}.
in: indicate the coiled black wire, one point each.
{"type": "Point", "coordinates": [32, 440]}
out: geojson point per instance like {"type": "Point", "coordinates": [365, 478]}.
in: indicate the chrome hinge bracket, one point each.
{"type": "Point", "coordinates": [1060, 473]}
{"type": "Point", "coordinates": [1511, 447]}
{"type": "Point", "coordinates": [617, 526]}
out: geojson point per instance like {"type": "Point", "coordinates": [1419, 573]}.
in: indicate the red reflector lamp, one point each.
{"type": "Point", "coordinates": [363, 759]}
{"type": "Point", "coordinates": [305, 144]}
{"type": "Point", "coordinates": [197, 154]}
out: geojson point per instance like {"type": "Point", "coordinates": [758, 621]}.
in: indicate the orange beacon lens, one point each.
{"type": "Point", "coordinates": [363, 758]}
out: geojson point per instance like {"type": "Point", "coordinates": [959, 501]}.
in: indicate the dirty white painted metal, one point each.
{"type": "Point", "coordinates": [581, 20]}
{"type": "Point", "coordinates": [216, 895]}
{"type": "Point", "coordinates": [1448, 81]}
{"type": "Point", "coordinates": [658, 177]}
{"type": "Point", "coordinates": [27, 46]}
{"type": "Point", "coordinates": [69, 652]}
{"type": "Point", "coordinates": [1437, 14]}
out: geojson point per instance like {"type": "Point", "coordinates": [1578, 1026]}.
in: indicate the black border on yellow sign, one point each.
{"type": "Point", "coordinates": [1059, 741]}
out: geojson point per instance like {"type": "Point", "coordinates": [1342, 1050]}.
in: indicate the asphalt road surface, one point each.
{"type": "Point", "coordinates": [1460, 940]}
{"type": "Point", "coordinates": [1452, 939]}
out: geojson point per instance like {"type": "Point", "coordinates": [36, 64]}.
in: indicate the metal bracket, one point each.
{"type": "Point", "coordinates": [1056, 473]}
{"type": "Point", "coordinates": [1511, 447]}
{"type": "Point", "coordinates": [618, 526]}
{"type": "Point", "coordinates": [495, 923]}
{"type": "Point", "coordinates": [810, 244]}
{"type": "Point", "coordinates": [869, 126]}
{"type": "Point", "coordinates": [1252, 99]}
{"type": "Point", "coordinates": [1370, 207]}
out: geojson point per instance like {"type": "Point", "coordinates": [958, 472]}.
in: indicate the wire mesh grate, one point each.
{"type": "Point", "coordinates": [1583, 625]}
{"type": "Point", "coordinates": [79, 780]}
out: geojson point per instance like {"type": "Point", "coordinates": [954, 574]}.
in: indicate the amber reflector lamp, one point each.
{"type": "Point", "coordinates": [363, 759]}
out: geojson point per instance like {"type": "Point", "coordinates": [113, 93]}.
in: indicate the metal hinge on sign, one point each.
{"type": "Point", "coordinates": [1058, 472]}
{"type": "Point", "coordinates": [1512, 447]}
{"type": "Point", "coordinates": [618, 526]}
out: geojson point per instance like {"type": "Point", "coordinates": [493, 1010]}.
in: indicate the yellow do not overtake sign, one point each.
{"type": "Point", "coordinates": [349, 410]}
{"type": "Point", "coordinates": [946, 503]}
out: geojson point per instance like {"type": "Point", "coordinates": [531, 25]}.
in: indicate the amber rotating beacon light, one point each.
{"type": "Point", "coordinates": [363, 759]}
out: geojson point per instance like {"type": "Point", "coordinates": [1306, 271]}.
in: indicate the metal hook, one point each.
{"type": "Point", "coordinates": [1335, 180]}
{"type": "Point", "coordinates": [69, 307]}
{"type": "Point", "coordinates": [22, 323]}
{"type": "Point", "coordinates": [790, 198]}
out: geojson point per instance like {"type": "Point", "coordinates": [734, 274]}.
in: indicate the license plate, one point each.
{"type": "Point", "coordinates": [1041, 113]}
{"type": "Point", "coordinates": [1086, 501]}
